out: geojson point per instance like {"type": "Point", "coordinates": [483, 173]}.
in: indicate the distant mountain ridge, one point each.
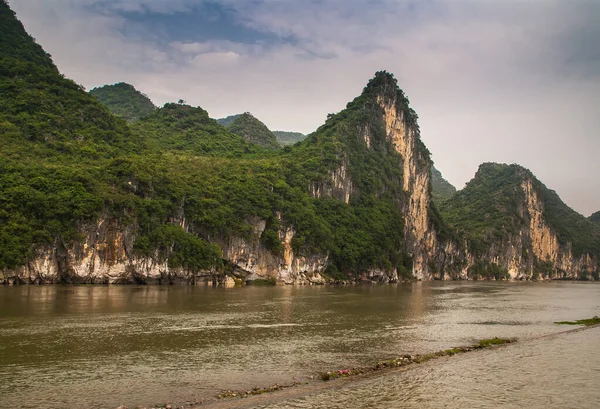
{"type": "Point", "coordinates": [284, 138]}
{"type": "Point", "coordinates": [441, 188]}
{"type": "Point", "coordinates": [124, 101]}
{"type": "Point", "coordinates": [228, 120]}
{"type": "Point", "coordinates": [253, 131]}
{"type": "Point", "coordinates": [287, 138]}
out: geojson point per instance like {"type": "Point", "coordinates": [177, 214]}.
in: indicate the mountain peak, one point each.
{"type": "Point", "coordinates": [251, 129]}
{"type": "Point", "coordinates": [124, 101]}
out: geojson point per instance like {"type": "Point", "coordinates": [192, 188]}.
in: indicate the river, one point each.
{"type": "Point", "coordinates": [104, 346]}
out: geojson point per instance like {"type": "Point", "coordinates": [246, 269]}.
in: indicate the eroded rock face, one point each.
{"type": "Point", "coordinates": [106, 256]}
{"type": "Point", "coordinates": [537, 239]}
{"type": "Point", "coordinates": [534, 251]}
{"type": "Point", "coordinates": [338, 185]}
{"type": "Point", "coordinates": [421, 238]}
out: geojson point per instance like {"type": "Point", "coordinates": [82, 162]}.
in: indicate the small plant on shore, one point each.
{"type": "Point", "coordinates": [484, 343]}
{"type": "Point", "coordinates": [587, 322]}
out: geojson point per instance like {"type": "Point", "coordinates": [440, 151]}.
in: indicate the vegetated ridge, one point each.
{"type": "Point", "coordinates": [86, 198]}
{"type": "Point", "coordinates": [441, 188]}
{"type": "Point", "coordinates": [253, 131]}
{"type": "Point", "coordinates": [124, 101]}
{"type": "Point", "coordinates": [286, 138]}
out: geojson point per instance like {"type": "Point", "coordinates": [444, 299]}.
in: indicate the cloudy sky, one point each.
{"type": "Point", "coordinates": [514, 81]}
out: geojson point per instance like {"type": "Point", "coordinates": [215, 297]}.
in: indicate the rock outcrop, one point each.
{"type": "Point", "coordinates": [106, 256]}
{"type": "Point", "coordinates": [517, 228]}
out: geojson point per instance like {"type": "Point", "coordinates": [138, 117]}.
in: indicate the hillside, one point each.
{"type": "Point", "coordinates": [288, 138]}
{"type": "Point", "coordinates": [228, 120]}
{"type": "Point", "coordinates": [55, 139]}
{"type": "Point", "coordinates": [441, 188]}
{"type": "Point", "coordinates": [182, 128]}
{"type": "Point", "coordinates": [253, 131]}
{"type": "Point", "coordinates": [177, 197]}
{"type": "Point", "coordinates": [124, 101]}
{"type": "Point", "coordinates": [284, 138]}
{"type": "Point", "coordinates": [595, 217]}
{"type": "Point", "coordinates": [505, 212]}
{"type": "Point", "coordinates": [16, 44]}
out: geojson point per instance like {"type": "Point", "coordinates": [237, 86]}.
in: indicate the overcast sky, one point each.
{"type": "Point", "coordinates": [513, 81]}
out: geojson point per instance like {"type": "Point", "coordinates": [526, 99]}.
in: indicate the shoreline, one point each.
{"type": "Point", "coordinates": [261, 283]}
{"type": "Point", "coordinates": [277, 393]}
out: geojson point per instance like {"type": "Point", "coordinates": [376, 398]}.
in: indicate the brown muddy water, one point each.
{"type": "Point", "coordinates": [101, 347]}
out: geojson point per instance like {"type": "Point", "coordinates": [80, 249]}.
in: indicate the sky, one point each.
{"type": "Point", "coordinates": [510, 81]}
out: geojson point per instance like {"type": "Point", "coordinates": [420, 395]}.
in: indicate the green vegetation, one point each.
{"type": "Point", "coordinates": [587, 322]}
{"type": "Point", "coordinates": [441, 189]}
{"type": "Point", "coordinates": [184, 129]}
{"type": "Point", "coordinates": [228, 120]}
{"type": "Point", "coordinates": [124, 101]}
{"type": "Point", "coordinates": [485, 343]}
{"type": "Point", "coordinates": [489, 210]}
{"type": "Point", "coordinates": [253, 131]}
{"type": "Point", "coordinates": [16, 44]}
{"type": "Point", "coordinates": [595, 217]}
{"type": "Point", "coordinates": [487, 271]}
{"type": "Point", "coordinates": [288, 138]}
{"type": "Point", "coordinates": [570, 226]}
{"type": "Point", "coordinates": [407, 360]}
{"type": "Point", "coordinates": [66, 161]}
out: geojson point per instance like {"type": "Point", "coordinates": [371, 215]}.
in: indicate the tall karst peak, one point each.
{"type": "Point", "coordinates": [512, 220]}
{"type": "Point", "coordinates": [380, 152]}
{"type": "Point", "coordinates": [124, 101]}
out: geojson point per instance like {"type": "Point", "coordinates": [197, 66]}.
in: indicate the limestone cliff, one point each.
{"type": "Point", "coordinates": [106, 255]}
{"type": "Point", "coordinates": [517, 228]}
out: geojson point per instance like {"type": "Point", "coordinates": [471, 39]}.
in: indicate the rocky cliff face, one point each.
{"type": "Point", "coordinates": [516, 228]}
{"type": "Point", "coordinates": [337, 185]}
{"type": "Point", "coordinates": [536, 252]}
{"type": "Point", "coordinates": [106, 256]}
{"type": "Point", "coordinates": [429, 254]}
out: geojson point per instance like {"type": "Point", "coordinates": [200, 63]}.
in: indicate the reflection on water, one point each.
{"type": "Point", "coordinates": [105, 346]}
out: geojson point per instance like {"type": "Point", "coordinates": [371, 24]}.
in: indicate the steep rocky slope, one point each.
{"type": "Point", "coordinates": [124, 101]}
{"type": "Point", "coordinates": [515, 226]}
